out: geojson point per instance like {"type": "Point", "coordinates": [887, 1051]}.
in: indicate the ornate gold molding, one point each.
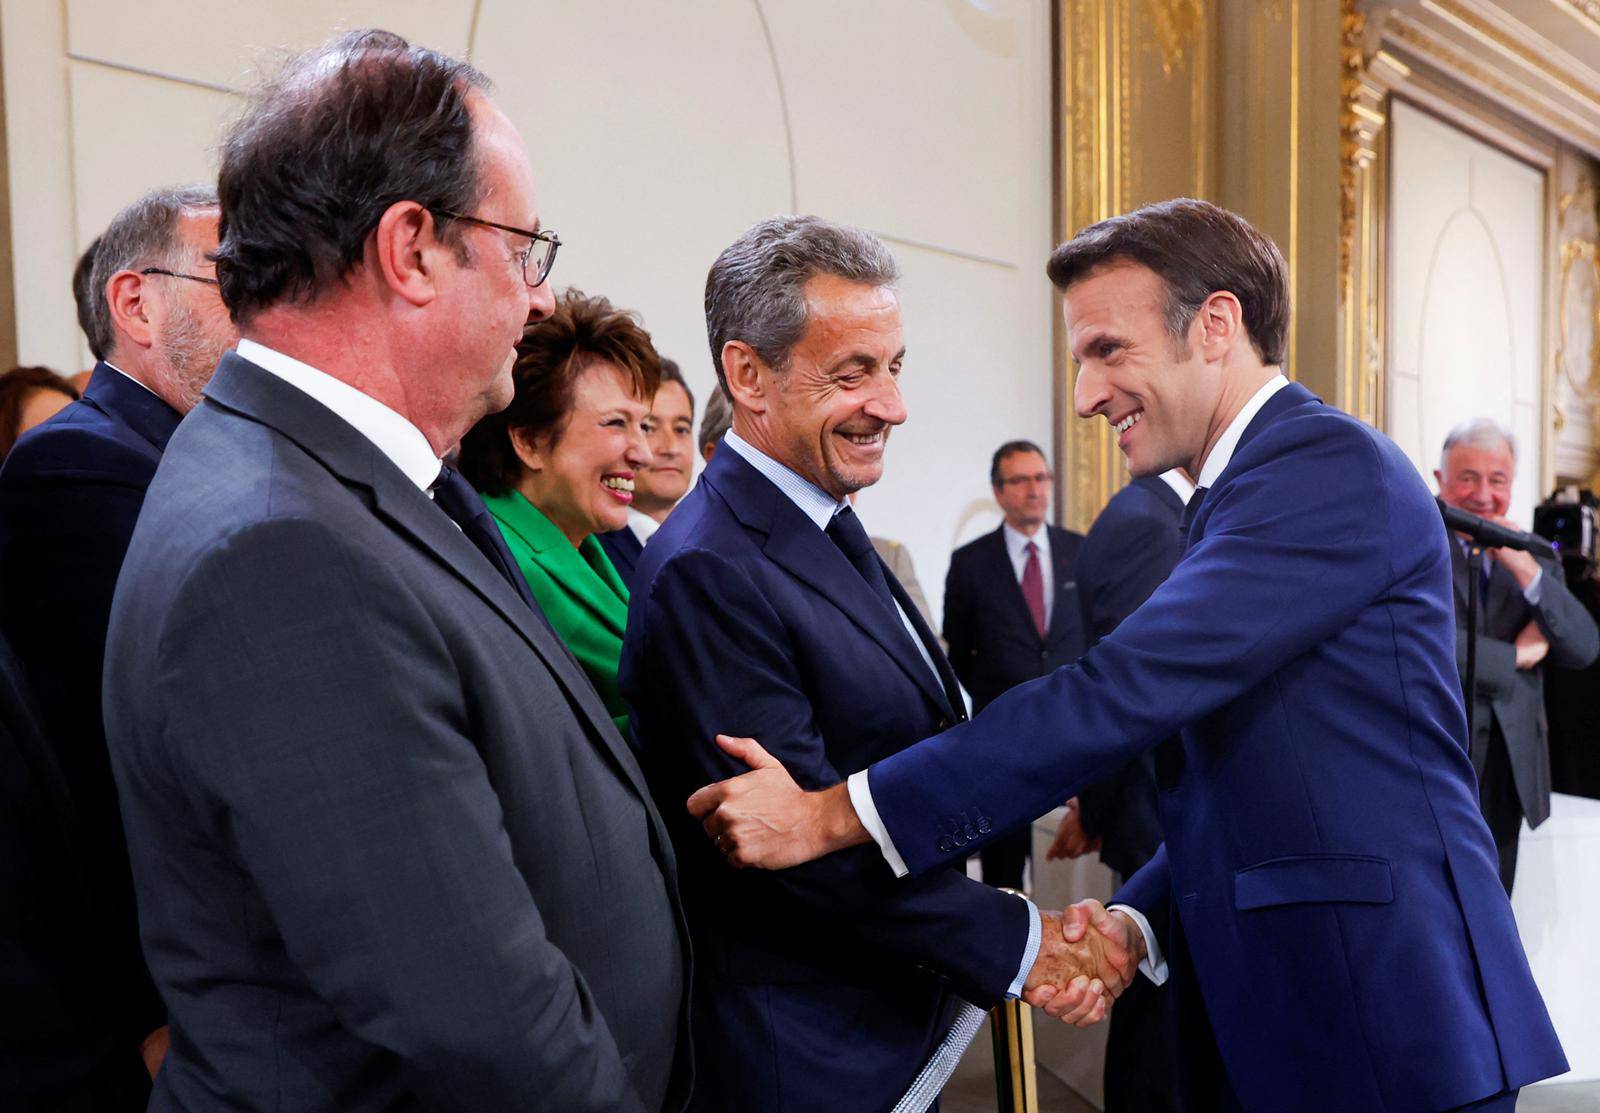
{"type": "Point", "coordinates": [1172, 26]}
{"type": "Point", "coordinates": [1576, 253]}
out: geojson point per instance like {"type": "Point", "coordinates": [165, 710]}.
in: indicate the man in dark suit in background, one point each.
{"type": "Point", "coordinates": [1526, 619]}
{"type": "Point", "coordinates": [659, 485]}
{"type": "Point", "coordinates": [70, 493]}
{"type": "Point", "coordinates": [762, 607]}
{"type": "Point", "coordinates": [1011, 610]}
{"type": "Point", "coordinates": [389, 848]}
{"type": "Point", "coordinates": [1129, 552]}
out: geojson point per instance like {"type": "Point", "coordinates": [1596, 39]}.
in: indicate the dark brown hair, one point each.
{"type": "Point", "coordinates": [324, 149]}
{"type": "Point", "coordinates": [1005, 452]}
{"type": "Point", "coordinates": [15, 386]}
{"type": "Point", "coordinates": [553, 353]}
{"type": "Point", "coordinates": [672, 373]}
{"type": "Point", "coordinates": [1197, 249]}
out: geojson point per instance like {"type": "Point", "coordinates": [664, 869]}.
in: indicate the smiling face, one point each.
{"type": "Point", "coordinates": [670, 429]}
{"type": "Point", "coordinates": [583, 479]}
{"type": "Point", "coordinates": [1162, 396]}
{"type": "Point", "coordinates": [1477, 479]}
{"type": "Point", "coordinates": [829, 412]}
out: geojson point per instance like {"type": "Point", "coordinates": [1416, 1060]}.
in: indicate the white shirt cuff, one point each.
{"type": "Point", "coordinates": [867, 813]}
{"type": "Point", "coordinates": [1030, 953]}
{"type": "Point", "coordinates": [1154, 965]}
{"type": "Point", "coordinates": [1535, 589]}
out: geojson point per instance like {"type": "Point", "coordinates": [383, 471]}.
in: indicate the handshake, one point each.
{"type": "Point", "coordinates": [1087, 957]}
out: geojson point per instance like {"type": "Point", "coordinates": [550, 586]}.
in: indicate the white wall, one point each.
{"type": "Point", "coordinates": [658, 132]}
{"type": "Point", "coordinates": [1466, 294]}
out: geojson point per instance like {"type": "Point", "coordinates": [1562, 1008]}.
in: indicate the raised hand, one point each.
{"type": "Point", "coordinates": [763, 818]}
{"type": "Point", "coordinates": [1101, 950]}
{"type": "Point", "coordinates": [1071, 840]}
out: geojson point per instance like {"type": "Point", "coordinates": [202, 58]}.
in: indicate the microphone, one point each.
{"type": "Point", "coordinates": [1492, 535]}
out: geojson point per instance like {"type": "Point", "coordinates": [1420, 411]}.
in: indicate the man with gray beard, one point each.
{"type": "Point", "coordinates": [70, 493]}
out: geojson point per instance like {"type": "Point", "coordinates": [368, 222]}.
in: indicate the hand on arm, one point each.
{"type": "Point", "coordinates": [154, 1049]}
{"type": "Point", "coordinates": [764, 819]}
{"type": "Point", "coordinates": [1531, 644]}
{"type": "Point", "coordinates": [1521, 564]}
{"type": "Point", "coordinates": [1071, 840]}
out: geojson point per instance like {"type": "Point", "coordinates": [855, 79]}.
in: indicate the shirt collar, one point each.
{"type": "Point", "coordinates": [394, 436]}
{"type": "Point", "coordinates": [1179, 483]}
{"type": "Point", "coordinates": [813, 501]}
{"type": "Point", "coordinates": [1222, 451]}
{"type": "Point", "coordinates": [643, 526]}
{"type": "Point", "coordinates": [143, 386]}
{"type": "Point", "coordinates": [1017, 541]}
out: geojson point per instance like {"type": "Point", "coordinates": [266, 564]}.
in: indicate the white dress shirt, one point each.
{"type": "Point", "coordinates": [1179, 483]}
{"type": "Point", "coordinates": [393, 435]}
{"type": "Point", "coordinates": [820, 507]}
{"type": "Point", "coordinates": [1017, 550]}
{"type": "Point", "coordinates": [643, 526]}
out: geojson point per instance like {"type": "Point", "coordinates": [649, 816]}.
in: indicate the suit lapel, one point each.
{"type": "Point", "coordinates": [245, 388]}
{"type": "Point", "coordinates": [1061, 576]}
{"type": "Point", "coordinates": [795, 544]}
{"type": "Point", "coordinates": [115, 394]}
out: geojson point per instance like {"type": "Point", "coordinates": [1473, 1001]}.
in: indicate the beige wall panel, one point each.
{"type": "Point", "coordinates": [972, 380]}
{"type": "Point", "coordinates": [1575, 385]}
{"type": "Point", "coordinates": [922, 122]}
{"type": "Point", "coordinates": [169, 137]}
{"type": "Point", "coordinates": [1466, 291]}
{"type": "Point", "coordinates": [227, 42]}
{"type": "Point", "coordinates": [648, 162]}
{"type": "Point", "coordinates": [44, 243]}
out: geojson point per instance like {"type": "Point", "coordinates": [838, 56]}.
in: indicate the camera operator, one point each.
{"type": "Point", "coordinates": [1571, 519]}
{"type": "Point", "coordinates": [1527, 618]}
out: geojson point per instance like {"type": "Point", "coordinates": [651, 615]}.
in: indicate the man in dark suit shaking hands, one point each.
{"type": "Point", "coordinates": [390, 851]}
{"type": "Point", "coordinates": [1011, 610]}
{"type": "Point", "coordinates": [761, 607]}
{"type": "Point", "coordinates": [1326, 900]}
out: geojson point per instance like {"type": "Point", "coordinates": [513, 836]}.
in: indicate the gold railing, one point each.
{"type": "Point", "coordinates": [1015, 1080]}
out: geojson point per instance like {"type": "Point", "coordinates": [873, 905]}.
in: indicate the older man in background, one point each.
{"type": "Point", "coordinates": [390, 850]}
{"type": "Point", "coordinates": [1527, 619]}
{"type": "Point", "coordinates": [70, 494]}
{"type": "Point", "coordinates": [659, 484]}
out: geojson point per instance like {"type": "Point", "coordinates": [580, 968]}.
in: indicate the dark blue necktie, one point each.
{"type": "Point", "coordinates": [1190, 509]}
{"type": "Point", "coordinates": [845, 531]}
{"type": "Point", "coordinates": [455, 497]}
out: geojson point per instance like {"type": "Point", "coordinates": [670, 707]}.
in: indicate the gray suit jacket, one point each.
{"type": "Point", "coordinates": [1510, 698]}
{"type": "Point", "coordinates": [389, 850]}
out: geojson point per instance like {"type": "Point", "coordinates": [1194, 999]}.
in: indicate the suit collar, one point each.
{"type": "Point", "coordinates": [246, 389]}
{"type": "Point", "coordinates": [1005, 572]}
{"type": "Point", "coordinates": [792, 541]}
{"type": "Point", "coordinates": [117, 394]}
{"type": "Point", "coordinates": [1162, 490]}
{"type": "Point", "coordinates": [1238, 430]}
{"type": "Point", "coordinates": [576, 571]}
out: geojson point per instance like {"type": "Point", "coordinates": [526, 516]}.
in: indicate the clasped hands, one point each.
{"type": "Point", "coordinates": [1087, 954]}
{"type": "Point", "coordinates": [1087, 957]}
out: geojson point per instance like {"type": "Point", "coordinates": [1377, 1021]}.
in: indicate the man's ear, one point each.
{"type": "Point", "coordinates": [126, 292]}
{"type": "Point", "coordinates": [742, 368]}
{"type": "Point", "coordinates": [527, 448]}
{"type": "Point", "coordinates": [406, 252]}
{"type": "Point", "coordinates": [1221, 320]}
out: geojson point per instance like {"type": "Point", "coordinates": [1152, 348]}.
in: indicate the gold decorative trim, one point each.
{"type": "Point", "coordinates": [1588, 9]}
{"type": "Point", "coordinates": [1574, 252]}
{"type": "Point", "coordinates": [1173, 25]}
{"type": "Point", "coordinates": [1495, 38]}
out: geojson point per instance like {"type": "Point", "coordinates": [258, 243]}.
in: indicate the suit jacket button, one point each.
{"type": "Point", "coordinates": [944, 724]}
{"type": "Point", "coordinates": [946, 845]}
{"type": "Point", "coordinates": [959, 839]}
{"type": "Point", "coordinates": [970, 831]}
{"type": "Point", "coordinates": [984, 826]}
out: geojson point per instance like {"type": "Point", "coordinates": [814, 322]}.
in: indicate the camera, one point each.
{"type": "Point", "coordinates": [1570, 520]}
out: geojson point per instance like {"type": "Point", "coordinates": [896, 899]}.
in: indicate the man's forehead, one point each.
{"type": "Point", "coordinates": [1022, 460]}
{"type": "Point", "coordinates": [1474, 457]}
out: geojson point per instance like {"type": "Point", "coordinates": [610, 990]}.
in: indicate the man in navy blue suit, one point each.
{"type": "Point", "coordinates": [1326, 901]}
{"type": "Point", "coordinates": [761, 607]}
{"type": "Point", "coordinates": [70, 494]}
{"type": "Point", "coordinates": [1011, 610]}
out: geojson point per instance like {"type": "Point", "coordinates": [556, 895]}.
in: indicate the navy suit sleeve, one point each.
{"type": "Point", "coordinates": [960, 619]}
{"type": "Point", "coordinates": [349, 787]}
{"type": "Point", "coordinates": [696, 678]}
{"type": "Point", "coordinates": [1272, 576]}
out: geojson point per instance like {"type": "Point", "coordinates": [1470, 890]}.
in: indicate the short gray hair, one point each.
{"type": "Point", "coordinates": [717, 419]}
{"type": "Point", "coordinates": [756, 289]}
{"type": "Point", "coordinates": [1477, 432]}
{"type": "Point", "coordinates": [145, 234]}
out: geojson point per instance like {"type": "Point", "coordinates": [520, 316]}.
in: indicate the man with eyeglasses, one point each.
{"type": "Point", "coordinates": [391, 852]}
{"type": "Point", "coordinates": [70, 494]}
{"type": "Point", "coordinates": [1011, 609]}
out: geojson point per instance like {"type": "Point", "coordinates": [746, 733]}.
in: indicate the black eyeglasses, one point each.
{"type": "Point", "coordinates": [539, 256]}
{"type": "Point", "coordinates": [175, 274]}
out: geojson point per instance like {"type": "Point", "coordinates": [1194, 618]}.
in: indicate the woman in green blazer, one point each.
{"type": "Point", "coordinates": [557, 467]}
